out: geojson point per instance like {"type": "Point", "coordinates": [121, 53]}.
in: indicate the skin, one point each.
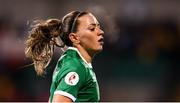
{"type": "Point", "coordinates": [88, 40]}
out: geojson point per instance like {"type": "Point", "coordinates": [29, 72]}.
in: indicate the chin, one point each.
{"type": "Point", "coordinates": [96, 50]}
{"type": "Point", "coordinates": [99, 49]}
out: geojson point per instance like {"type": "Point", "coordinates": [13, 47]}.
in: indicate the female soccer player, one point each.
{"type": "Point", "coordinates": [73, 79]}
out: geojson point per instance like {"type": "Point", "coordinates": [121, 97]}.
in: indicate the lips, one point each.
{"type": "Point", "coordinates": [101, 41]}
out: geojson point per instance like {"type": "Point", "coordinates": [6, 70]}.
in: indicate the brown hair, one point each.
{"type": "Point", "coordinates": [42, 38]}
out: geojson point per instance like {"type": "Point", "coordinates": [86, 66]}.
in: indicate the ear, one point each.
{"type": "Point", "coordinates": [74, 38]}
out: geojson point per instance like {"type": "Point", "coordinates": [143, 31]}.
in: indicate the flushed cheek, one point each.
{"type": "Point", "coordinates": [93, 45]}
{"type": "Point", "coordinates": [90, 43]}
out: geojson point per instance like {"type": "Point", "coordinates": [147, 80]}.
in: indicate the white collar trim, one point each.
{"type": "Point", "coordinates": [73, 48]}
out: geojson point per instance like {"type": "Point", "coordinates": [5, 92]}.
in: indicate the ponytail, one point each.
{"type": "Point", "coordinates": [43, 37]}
{"type": "Point", "coordinates": [40, 43]}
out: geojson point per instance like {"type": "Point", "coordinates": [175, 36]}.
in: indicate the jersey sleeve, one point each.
{"type": "Point", "coordinates": [70, 80]}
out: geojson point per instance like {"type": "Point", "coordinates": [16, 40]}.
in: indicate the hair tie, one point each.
{"type": "Point", "coordinates": [75, 19]}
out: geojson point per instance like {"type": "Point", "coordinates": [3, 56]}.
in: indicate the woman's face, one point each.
{"type": "Point", "coordinates": [90, 34]}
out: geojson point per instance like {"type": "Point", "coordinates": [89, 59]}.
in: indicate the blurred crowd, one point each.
{"type": "Point", "coordinates": [140, 60]}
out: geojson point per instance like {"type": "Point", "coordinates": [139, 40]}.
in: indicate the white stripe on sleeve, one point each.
{"type": "Point", "coordinates": [65, 94]}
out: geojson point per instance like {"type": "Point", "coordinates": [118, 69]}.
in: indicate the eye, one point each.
{"type": "Point", "coordinates": [92, 29]}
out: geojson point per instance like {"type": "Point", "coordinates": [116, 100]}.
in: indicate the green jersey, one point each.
{"type": "Point", "coordinates": [74, 78]}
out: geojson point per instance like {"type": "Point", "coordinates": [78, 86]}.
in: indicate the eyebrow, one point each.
{"type": "Point", "coordinates": [95, 24]}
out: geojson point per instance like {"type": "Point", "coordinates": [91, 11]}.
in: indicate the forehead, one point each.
{"type": "Point", "coordinates": [87, 19]}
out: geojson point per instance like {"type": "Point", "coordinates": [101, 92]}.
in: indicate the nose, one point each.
{"type": "Point", "coordinates": [101, 32]}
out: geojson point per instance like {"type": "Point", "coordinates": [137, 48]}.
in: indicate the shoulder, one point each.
{"type": "Point", "coordinates": [69, 68]}
{"type": "Point", "coordinates": [70, 64]}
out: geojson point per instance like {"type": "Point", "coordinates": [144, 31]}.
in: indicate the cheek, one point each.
{"type": "Point", "coordinates": [91, 43]}
{"type": "Point", "coordinates": [88, 40]}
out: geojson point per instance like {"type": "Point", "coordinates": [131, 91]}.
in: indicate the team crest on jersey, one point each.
{"type": "Point", "coordinates": [72, 78]}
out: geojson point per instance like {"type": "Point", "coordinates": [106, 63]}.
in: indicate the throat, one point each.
{"type": "Point", "coordinates": [85, 55]}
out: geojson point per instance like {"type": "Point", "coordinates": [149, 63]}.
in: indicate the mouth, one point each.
{"type": "Point", "coordinates": [101, 41]}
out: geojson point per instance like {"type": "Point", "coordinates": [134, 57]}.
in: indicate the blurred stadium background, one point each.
{"type": "Point", "coordinates": [141, 57]}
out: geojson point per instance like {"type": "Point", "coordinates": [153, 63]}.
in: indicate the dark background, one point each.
{"type": "Point", "coordinates": [141, 57]}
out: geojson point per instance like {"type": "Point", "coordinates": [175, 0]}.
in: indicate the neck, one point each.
{"type": "Point", "coordinates": [85, 54]}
